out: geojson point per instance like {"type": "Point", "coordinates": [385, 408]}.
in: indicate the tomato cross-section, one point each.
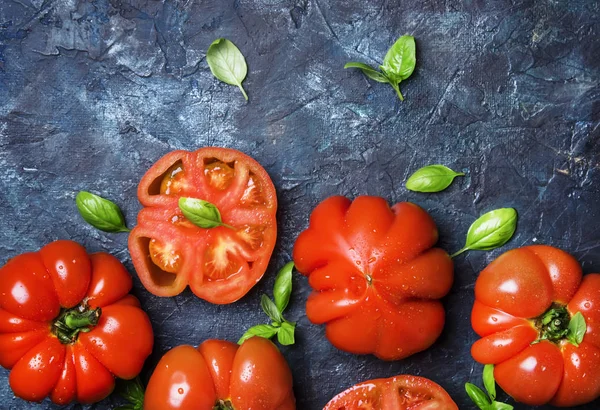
{"type": "Point", "coordinates": [376, 278]}
{"type": "Point", "coordinates": [524, 303]}
{"type": "Point", "coordinates": [220, 264]}
{"type": "Point", "coordinates": [402, 392]}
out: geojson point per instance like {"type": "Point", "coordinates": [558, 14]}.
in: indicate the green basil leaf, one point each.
{"type": "Point", "coordinates": [491, 230]}
{"type": "Point", "coordinates": [100, 213]}
{"type": "Point", "coordinates": [227, 63]}
{"type": "Point", "coordinates": [400, 60]}
{"type": "Point", "coordinates": [577, 329]}
{"type": "Point", "coordinates": [488, 380]}
{"type": "Point", "coordinates": [285, 336]}
{"type": "Point", "coordinates": [133, 392]}
{"type": "Point", "coordinates": [496, 405]}
{"type": "Point", "coordinates": [270, 309]}
{"type": "Point", "coordinates": [264, 331]}
{"type": "Point", "coordinates": [478, 396]}
{"type": "Point", "coordinates": [432, 178]}
{"type": "Point", "coordinates": [283, 286]}
{"type": "Point", "coordinates": [201, 213]}
{"type": "Point", "coordinates": [369, 71]}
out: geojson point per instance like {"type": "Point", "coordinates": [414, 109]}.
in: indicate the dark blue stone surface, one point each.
{"type": "Point", "coordinates": [93, 92]}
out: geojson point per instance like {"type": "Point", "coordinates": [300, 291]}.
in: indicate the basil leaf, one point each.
{"type": "Point", "coordinates": [432, 178]}
{"type": "Point", "coordinates": [478, 396]}
{"type": "Point", "coordinates": [285, 336]}
{"type": "Point", "coordinates": [577, 329]}
{"type": "Point", "coordinates": [283, 286]}
{"type": "Point", "coordinates": [496, 405]}
{"type": "Point", "coordinates": [369, 71]}
{"type": "Point", "coordinates": [400, 60]}
{"type": "Point", "coordinates": [488, 380]}
{"type": "Point", "coordinates": [491, 230]}
{"type": "Point", "coordinates": [264, 331]}
{"type": "Point", "coordinates": [201, 213]}
{"type": "Point", "coordinates": [227, 63]}
{"type": "Point", "coordinates": [100, 213]}
{"type": "Point", "coordinates": [270, 309]}
{"type": "Point", "coordinates": [133, 392]}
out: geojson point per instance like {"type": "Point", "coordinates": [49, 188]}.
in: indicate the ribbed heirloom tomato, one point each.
{"type": "Point", "coordinates": [68, 325]}
{"type": "Point", "coordinates": [221, 375]}
{"type": "Point", "coordinates": [402, 392]}
{"type": "Point", "coordinates": [524, 303]}
{"type": "Point", "coordinates": [375, 276]}
{"type": "Point", "coordinates": [219, 264]}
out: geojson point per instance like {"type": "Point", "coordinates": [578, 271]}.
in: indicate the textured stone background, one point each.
{"type": "Point", "coordinates": [93, 92]}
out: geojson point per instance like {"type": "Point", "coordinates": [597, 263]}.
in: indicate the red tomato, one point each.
{"type": "Point", "coordinates": [221, 375]}
{"type": "Point", "coordinates": [527, 295]}
{"type": "Point", "coordinates": [396, 393]}
{"type": "Point", "coordinates": [219, 264]}
{"type": "Point", "coordinates": [68, 326]}
{"type": "Point", "coordinates": [373, 268]}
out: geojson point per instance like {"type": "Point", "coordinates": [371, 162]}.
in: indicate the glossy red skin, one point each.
{"type": "Point", "coordinates": [396, 393]}
{"type": "Point", "coordinates": [399, 312]}
{"type": "Point", "coordinates": [155, 221]}
{"type": "Point", "coordinates": [33, 288]}
{"type": "Point", "coordinates": [510, 293]}
{"type": "Point", "coordinates": [251, 376]}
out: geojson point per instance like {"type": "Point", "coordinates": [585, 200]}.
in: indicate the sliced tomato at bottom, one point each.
{"type": "Point", "coordinates": [402, 392]}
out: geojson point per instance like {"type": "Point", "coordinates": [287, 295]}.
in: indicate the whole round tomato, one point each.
{"type": "Point", "coordinates": [373, 268]}
{"type": "Point", "coordinates": [526, 311]}
{"type": "Point", "coordinates": [221, 375]}
{"type": "Point", "coordinates": [68, 326]}
{"type": "Point", "coordinates": [220, 264]}
{"type": "Point", "coordinates": [396, 393]}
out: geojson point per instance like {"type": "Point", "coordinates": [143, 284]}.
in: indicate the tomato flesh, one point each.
{"type": "Point", "coordinates": [219, 264]}
{"type": "Point", "coordinates": [402, 392]}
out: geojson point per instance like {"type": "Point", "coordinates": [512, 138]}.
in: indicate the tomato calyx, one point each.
{"type": "Point", "coordinates": [223, 405]}
{"type": "Point", "coordinates": [554, 324]}
{"type": "Point", "coordinates": [72, 321]}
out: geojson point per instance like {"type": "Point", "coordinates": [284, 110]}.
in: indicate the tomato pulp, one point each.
{"type": "Point", "coordinates": [396, 393]}
{"type": "Point", "coordinates": [68, 325]}
{"type": "Point", "coordinates": [219, 264]}
{"type": "Point", "coordinates": [524, 302]}
{"type": "Point", "coordinates": [221, 375]}
{"type": "Point", "coordinates": [376, 278]}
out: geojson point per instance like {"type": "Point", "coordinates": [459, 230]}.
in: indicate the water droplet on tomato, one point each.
{"type": "Point", "coordinates": [587, 305]}
{"type": "Point", "coordinates": [180, 390]}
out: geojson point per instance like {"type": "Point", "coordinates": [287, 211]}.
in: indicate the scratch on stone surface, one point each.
{"type": "Point", "coordinates": [433, 112]}
{"type": "Point", "coordinates": [325, 20]}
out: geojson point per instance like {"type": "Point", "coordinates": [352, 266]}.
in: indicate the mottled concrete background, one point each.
{"type": "Point", "coordinates": [93, 92]}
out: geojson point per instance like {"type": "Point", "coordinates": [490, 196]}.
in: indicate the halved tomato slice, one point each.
{"type": "Point", "coordinates": [219, 264]}
{"type": "Point", "coordinates": [396, 393]}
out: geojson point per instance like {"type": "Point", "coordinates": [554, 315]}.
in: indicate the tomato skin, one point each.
{"type": "Point", "coordinates": [219, 264]}
{"type": "Point", "coordinates": [373, 268]}
{"type": "Point", "coordinates": [510, 295]}
{"type": "Point", "coordinates": [59, 277]}
{"type": "Point", "coordinates": [252, 376]}
{"type": "Point", "coordinates": [401, 392]}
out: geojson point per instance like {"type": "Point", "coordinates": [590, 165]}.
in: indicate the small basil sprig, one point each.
{"type": "Point", "coordinates": [482, 400]}
{"type": "Point", "coordinates": [201, 213]}
{"type": "Point", "coordinates": [577, 329]}
{"type": "Point", "coordinates": [227, 63]}
{"type": "Point", "coordinates": [278, 326]}
{"type": "Point", "coordinates": [398, 64]}
{"type": "Point", "coordinates": [432, 178]}
{"type": "Point", "coordinates": [133, 392]}
{"type": "Point", "coordinates": [100, 213]}
{"type": "Point", "coordinates": [490, 230]}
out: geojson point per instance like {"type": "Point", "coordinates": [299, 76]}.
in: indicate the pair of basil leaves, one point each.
{"type": "Point", "coordinates": [486, 401]}
{"type": "Point", "coordinates": [398, 64]}
{"type": "Point", "coordinates": [489, 231]}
